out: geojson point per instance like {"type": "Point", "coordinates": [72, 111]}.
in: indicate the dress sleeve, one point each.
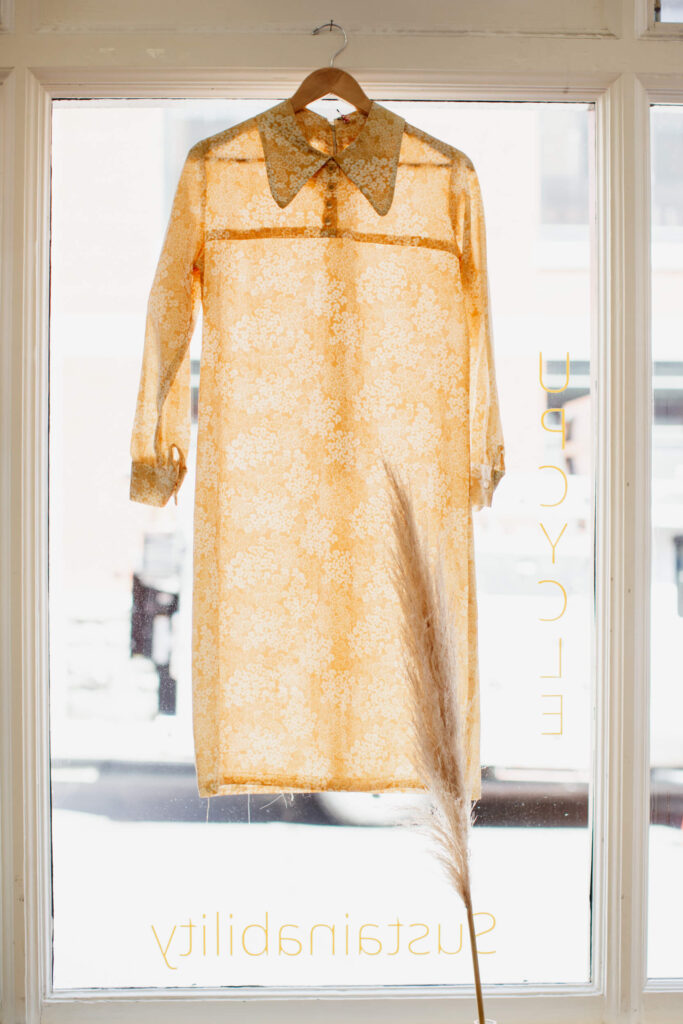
{"type": "Point", "coordinates": [486, 447]}
{"type": "Point", "coordinates": [161, 427]}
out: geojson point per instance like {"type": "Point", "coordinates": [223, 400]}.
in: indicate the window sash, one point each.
{"type": "Point", "coordinates": [621, 368]}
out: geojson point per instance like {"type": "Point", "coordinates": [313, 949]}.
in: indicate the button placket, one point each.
{"type": "Point", "coordinates": [330, 205]}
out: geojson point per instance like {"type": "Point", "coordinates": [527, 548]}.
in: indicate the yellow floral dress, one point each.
{"type": "Point", "coordinates": [341, 272]}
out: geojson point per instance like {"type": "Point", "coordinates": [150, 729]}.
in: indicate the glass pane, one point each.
{"type": "Point", "coordinates": [669, 10]}
{"type": "Point", "coordinates": [665, 951]}
{"type": "Point", "coordinates": [149, 889]}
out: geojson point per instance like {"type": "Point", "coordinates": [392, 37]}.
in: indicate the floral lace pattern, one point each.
{"type": "Point", "coordinates": [341, 271]}
{"type": "Point", "coordinates": [370, 160]}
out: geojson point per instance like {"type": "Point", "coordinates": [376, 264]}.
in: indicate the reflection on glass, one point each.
{"type": "Point", "coordinates": [665, 950]}
{"type": "Point", "coordinates": [321, 888]}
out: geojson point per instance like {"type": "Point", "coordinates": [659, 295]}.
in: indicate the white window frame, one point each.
{"type": "Point", "coordinates": [641, 68]}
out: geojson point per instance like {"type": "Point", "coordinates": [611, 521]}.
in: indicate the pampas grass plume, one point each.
{"type": "Point", "coordinates": [430, 659]}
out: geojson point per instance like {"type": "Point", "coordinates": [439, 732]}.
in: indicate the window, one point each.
{"type": "Point", "coordinates": [666, 734]}
{"type": "Point", "coordinates": [583, 101]}
{"type": "Point", "coordinates": [668, 10]}
{"type": "Point", "coordinates": [257, 909]}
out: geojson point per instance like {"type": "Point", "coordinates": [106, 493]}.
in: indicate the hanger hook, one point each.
{"type": "Point", "coordinates": [332, 24]}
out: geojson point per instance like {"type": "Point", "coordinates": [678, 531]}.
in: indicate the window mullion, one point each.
{"type": "Point", "coordinates": [623, 534]}
{"type": "Point", "coordinates": [25, 796]}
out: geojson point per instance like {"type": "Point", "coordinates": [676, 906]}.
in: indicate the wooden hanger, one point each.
{"type": "Point", "coordinates": [331, 79]}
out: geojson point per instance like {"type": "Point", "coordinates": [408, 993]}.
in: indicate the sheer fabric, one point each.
{"type": "Point", "coordinates": [341, 272]}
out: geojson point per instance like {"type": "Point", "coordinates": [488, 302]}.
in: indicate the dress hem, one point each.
{"type": "Point", "coordinates": [294, 785]}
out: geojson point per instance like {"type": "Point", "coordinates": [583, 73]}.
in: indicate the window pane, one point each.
{"type": "Point", "coordinates": [665, 951]}
{"type": "Point", "coordinates": [668, 10]}
{"type": "Point", "coordinates": [188, 901]}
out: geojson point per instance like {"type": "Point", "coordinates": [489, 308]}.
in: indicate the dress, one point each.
{"type": "Point", "coordinates": [341, 271]}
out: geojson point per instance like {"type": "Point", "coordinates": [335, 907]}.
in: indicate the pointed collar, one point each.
{"type": "Point", "coordinates": [370, 160]}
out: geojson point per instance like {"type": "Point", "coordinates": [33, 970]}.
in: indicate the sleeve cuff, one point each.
{"type": "Point", "coordinates": [154, 484]}
{"type": "Point", "coordinates": [483, 482]}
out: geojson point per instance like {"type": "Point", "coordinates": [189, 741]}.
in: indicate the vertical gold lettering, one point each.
{"type": "Point", "coordinates": [564, 595]}
{"type": "Point", "coordinates": [559, 662]}
{"type": "Point", "coordinates": [555, 430]}
{"type": "Point", "coordinates": [559, 714]}
{"type": "Point", "coordinates": [553, 546]}
{"type": "Point", "coordinates": [552, 391]}
{"type": "Point", "coordinates": [551, 504]}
